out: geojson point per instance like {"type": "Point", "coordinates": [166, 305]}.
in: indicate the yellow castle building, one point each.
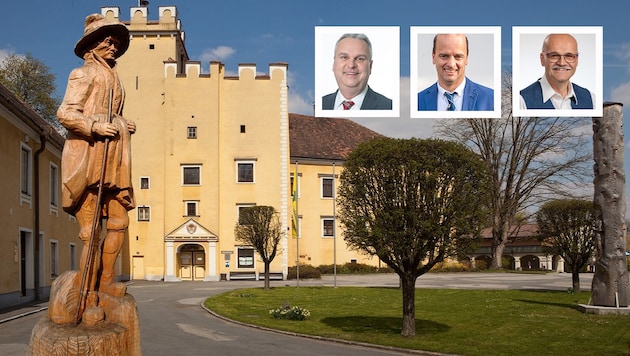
{"type": "Point", "coordinates": [209, 144]}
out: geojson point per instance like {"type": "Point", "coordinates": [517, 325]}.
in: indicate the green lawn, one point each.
{"type": "Point", "coordinates": [465, 322]}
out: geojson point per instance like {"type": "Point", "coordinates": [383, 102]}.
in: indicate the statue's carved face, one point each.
{"type": "Point", "coordinates": [107, 48]}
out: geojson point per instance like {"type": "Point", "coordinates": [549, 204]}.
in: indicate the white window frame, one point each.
{"type": "Point", "coordinates": [54, 188]}
{"type": "Point", "coordinates": [238, 257]}
{"type": "Point", "coordinates": [184, 167]}
{"type": "Point", "coordinates": [322, 179]}
{"type": "Point", "coordinates": [144, 217]}
{"type": "Point", "coordinates": [195, 203]}
{"type": "Point", "coordinates": [148, 180]}
{"type": "Point", "coordinates": [239, 207]}
{"type": "Point", "coordinates": [323, 226]}
{"type": "Point", "coordinates": [243, 162]}
{"type": "Point", "coordinates": [26, 174]}
{"type": "Point", "coordinates": [54, 259]}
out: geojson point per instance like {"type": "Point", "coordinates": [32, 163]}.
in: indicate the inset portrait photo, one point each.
{"type": "Point", "coordinates": [455, 72]}
{"type": "Point", "coordinates": [357, 71]}
{"type": "Point", "coordinates": [557, 71]}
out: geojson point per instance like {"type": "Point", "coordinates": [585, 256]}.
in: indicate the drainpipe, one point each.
{"type": "Point", "coordinates": [42, 137]}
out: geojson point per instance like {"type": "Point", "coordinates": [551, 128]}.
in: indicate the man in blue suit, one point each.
{"type": "Point", "coordinates": [453, 91]}
{"type": "Point", "coordinates": [352, 67]}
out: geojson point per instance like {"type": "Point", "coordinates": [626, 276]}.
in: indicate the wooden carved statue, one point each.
{"type": "Point", "coordinates": [96, 176]}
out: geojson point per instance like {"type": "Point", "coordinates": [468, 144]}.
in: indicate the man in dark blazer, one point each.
{"type": "Point", "coordinates": [453, 91]}
{"type": "Point", "coordinates": [352, 66]}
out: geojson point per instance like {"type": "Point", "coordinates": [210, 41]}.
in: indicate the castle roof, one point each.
{"type": "Point", "coordinates": [325, 138]}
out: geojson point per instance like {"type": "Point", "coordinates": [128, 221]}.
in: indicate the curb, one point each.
{"type": "Point", "coordinates": [23, 314]}
{"type": "Point", "coordinates": [322, 338]}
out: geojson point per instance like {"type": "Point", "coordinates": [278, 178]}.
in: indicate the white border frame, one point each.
{"type": "Point", "coordinates": [385, 77]}
{"type": "Point", "coordinates": [480, 69]}
{"type": "Point", "coordinates": [526, 68]}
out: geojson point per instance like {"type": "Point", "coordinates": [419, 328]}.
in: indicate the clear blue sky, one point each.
{"type": "Point", "coordinates": [262, 32]}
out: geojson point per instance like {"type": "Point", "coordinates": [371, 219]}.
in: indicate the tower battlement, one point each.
{"type": "Point", "coordinates": [140, 15]}
{"type": "Point", "coordinates": [217, 68]}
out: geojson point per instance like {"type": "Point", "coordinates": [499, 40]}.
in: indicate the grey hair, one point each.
{"type": "Point", "coordinates": [359, 36]}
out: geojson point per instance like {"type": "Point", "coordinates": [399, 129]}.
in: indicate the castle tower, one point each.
{"type": "Point", "coordinates": [206, 145]}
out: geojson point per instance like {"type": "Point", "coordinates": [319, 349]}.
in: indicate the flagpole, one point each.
{"type": "Point", "coordinates": [334, 192]}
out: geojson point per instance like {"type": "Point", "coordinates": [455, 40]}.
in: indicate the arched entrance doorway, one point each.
{"type": "Point", "coordinates": [191, 262]}
{"type": "Point", "coordinates": [190, 253]}
{"type": "Point", "coordinates": [530, 262]}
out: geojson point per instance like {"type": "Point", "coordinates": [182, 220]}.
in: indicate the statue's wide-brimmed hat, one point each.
{"type": "Point", "coordinates": [97, 27]}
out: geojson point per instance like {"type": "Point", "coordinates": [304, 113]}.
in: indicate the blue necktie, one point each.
{"type": "Point", "coordinates": [451, 103]}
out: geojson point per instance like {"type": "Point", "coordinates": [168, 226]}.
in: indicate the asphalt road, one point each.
{"type": "Point", "coordinates": [172, 321]}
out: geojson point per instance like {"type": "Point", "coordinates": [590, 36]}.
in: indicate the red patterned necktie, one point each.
{"type": "Point", "coordinates": [347, 104]}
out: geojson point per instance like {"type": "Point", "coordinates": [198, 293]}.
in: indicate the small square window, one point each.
{"type": "Point", "coordinates": [144, 182]}
{"type": "Point", "coordinates": [327, 187]}
{"type": "Point", "coordinates": [144, 213]}
{"type": "Point", "coordinates": [242, 128]}
{"type": "Point", "coordinates": [191, 175]}
{"type": "Point", "coordinates": [245, 172]}
{"type": "Point", "coordinates": [191, 208]}
{"type": "Point", "coordinates": [328, 227]}
{"type": "Point", "coordinates": [151, 46]}
{"type": "Point", "coordinates": [192, 132]}
{"type": "Point", "coordinates": [239, 208]}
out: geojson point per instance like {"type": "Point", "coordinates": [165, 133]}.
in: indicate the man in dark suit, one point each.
{"type": "Point", "coordinates": [352, 67]}
{"type": "Point", "coordinates": [453, 91]}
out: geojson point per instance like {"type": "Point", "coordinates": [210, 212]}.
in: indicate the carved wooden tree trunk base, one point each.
{"type": "Point", "coordinates": [104, 338]}
{"type": "Point", "coordinates": [111, 328]}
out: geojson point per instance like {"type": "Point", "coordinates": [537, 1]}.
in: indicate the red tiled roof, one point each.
{"type": "Point", "coordinates": [325, 138]}
{"type": "Point", "coordinates": [524, 235]}
{"type": "Point", "coordinates": [522, 231]}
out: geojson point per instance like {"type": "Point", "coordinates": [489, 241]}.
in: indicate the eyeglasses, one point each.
{"type": "Point", "coordinates": [568, 57]}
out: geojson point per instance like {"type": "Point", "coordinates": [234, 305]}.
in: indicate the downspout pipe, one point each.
{"type": "Point", "coordinates": [36, 212]}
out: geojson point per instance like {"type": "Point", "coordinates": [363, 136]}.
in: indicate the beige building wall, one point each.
{"type": "Point", "coordinates": [319, 245]}
{"type": "Point", "coordinates": [30, 154]}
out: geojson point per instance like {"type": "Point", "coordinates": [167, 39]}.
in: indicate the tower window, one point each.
{"type": "Point", "coordinates": [192, 132]}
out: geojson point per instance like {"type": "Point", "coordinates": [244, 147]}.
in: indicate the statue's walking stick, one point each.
{"type": "Point", "coordinates": [88, 275]}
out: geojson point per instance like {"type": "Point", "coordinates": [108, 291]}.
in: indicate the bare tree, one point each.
{"type": "Point", "coordinates": [529, 160]}
{"type": "Point", "coordinates": [259, 226]}
{"type": "Point", "coordinates": [412, 203]}
{"type": "Point", "coordinates": [567, 227]}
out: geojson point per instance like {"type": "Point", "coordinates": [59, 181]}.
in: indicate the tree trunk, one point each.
{"type": "Point", "coordinates": [500, 235]}
{"type": "Point", "coordinates": [409, 304]}
{"type": "Point", "coordinates": [575, 276]}
{"type": "Point", "coordinates": [267, 275]}
{"type": "Point", "coordinates": [497, 255]}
